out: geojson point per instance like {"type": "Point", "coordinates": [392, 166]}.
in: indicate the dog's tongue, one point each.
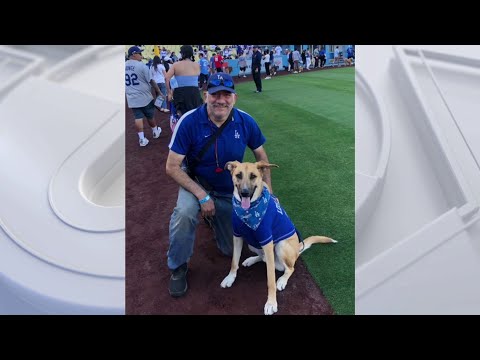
{"type": "Point", "coordinates": [245, 203]}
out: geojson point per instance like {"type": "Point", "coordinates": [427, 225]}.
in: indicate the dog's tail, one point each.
{"type": "Point", "coordinates": [313, 240]}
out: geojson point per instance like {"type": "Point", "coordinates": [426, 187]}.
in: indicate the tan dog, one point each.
{"type": "Point", "coordinates": [280, 250]}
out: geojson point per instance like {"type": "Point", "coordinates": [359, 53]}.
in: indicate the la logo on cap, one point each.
{"type": "Point", "coordinates": [219, 77]}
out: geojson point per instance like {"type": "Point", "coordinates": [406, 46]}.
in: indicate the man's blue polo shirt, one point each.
{"type": "Point", "coordinates": [193, 131]}
{"type": "Point", "coordinates": [275, 226]}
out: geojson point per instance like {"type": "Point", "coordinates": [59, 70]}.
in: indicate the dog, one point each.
{"type": "Point", "coordinates": [259, 219]}
{"type": "Point", "coordinates": [273, 69]}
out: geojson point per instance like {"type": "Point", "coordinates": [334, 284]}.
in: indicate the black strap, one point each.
{"type": "Point", "coordinates": [196, 160]}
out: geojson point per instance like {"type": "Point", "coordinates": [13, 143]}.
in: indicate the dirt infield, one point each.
{"type": "Point", "coordinates": [150, 198]}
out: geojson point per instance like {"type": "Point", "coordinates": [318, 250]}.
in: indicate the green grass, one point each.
{"type": "Point", "coordinates": [308, 120]}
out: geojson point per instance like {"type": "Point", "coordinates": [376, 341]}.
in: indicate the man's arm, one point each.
{"type": "Point", "coordinates": [147, 72]}
{"type": "Point", "coordinates": [165, 76]}
{"type": "Point", "coordinates": [168, 76]}
{"type": "Point", "coordinates": [155, 87]}
{"type": "Point", "coordinates": [260, 154]}
{"type": "Point", "coordinates": [174, 170]}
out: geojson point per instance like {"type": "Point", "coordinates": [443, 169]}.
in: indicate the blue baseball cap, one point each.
{"type": "Point", "coordinates": [220, 82]}
{"type": "Point", "coordinates": [134, 50]}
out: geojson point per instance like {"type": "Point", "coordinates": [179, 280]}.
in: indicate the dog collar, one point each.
{"type": "Point", "coordinates": [253, 216]}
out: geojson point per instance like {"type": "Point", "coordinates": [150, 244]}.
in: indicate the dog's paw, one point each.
{"type": "Point", "coordinates": [251, 260]}
{"type": "Point", "coordinates": [281, 283]}
{"type": "Point", "coordinates": [270, 308]}
{"type": "Point", "coordinates": [228, 281]}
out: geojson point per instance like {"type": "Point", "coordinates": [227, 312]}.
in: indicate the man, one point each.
{"type": "Point", "coordinates": [323, 58]}
{"type": "Point", "coordinates": [278, 51]}
{"type": "Point", "coordinates": [213, 70]}
{"type": "Point", "coordinates": [273, 65]}
{"type": "Point", "coordinates": [256, 66]}
{"type": "Point", "coordinates": [296, 60]}
{"type": "Point", "coordinates": [316, 56]}
{"type": "Point", "coordinates": [204, 70]}
{"type": "Point", "coordinates": [225, 67]}
{"type": "Point", "coordinates": [242, 64]}
{"type": "Point", "coordinates": [163, 53]}
{"type": "Point", "coordinates": [218, 61]}
{"type": "Point", "coordinates": [139, 94]}
{"type": "Point", "coordinates": [350, 56]}
{"type": "Point", "coordinates": [213, 198]}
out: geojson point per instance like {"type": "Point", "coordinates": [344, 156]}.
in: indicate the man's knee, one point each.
{"type": "Point", "coordinates": [185, 214]}
{"type": "Point", "coordinates": [186, 211]}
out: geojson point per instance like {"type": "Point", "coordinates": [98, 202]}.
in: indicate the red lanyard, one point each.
{"type": "Point", "coordinates": [218, 170]}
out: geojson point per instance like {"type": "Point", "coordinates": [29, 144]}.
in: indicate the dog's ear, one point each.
{"type": "Point", "coordinates": [231, 165]}
{"type": "Point", "coordinates": [262, 165]}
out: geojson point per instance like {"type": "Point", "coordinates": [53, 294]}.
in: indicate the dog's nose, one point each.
{"type": "Point", "coordinates": [245, 193]}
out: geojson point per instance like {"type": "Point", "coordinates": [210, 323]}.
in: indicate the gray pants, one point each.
{"type": "Point", "coordinates": [184, 221]}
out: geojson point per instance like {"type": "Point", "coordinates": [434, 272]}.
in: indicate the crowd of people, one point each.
{"type": "Point", "coordinates": [218, 57]}
{"type": "Point", "coordinates": [177, 79]}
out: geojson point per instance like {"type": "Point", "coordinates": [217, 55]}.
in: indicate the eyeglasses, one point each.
{"type": "Point", "coordinates": [218, 82]}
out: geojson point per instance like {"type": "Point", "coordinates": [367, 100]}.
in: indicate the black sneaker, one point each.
{"type": "Point", "coordinates": [178, 281]}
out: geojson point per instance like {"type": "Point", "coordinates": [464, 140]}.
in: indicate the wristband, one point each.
{"type": "Point", "coordinates": [204, 200]}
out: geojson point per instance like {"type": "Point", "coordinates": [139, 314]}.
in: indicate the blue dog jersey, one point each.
{"type": "Point", "coordinates": [275, 226]}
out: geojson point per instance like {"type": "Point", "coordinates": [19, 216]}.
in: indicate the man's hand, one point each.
{"type": "Point", "coordinates": [208, 208]}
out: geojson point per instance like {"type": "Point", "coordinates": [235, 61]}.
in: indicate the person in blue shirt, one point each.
{"type": "Point", "coordinates": [205, 187]}
{"type": "Point", "coordinates": [186, 96]}
{"type": "Point", "coordinates": [204, 71]}
{"type": "Point", "coordinates": [350, 56]}
{"type": "Point", "coordinates": [323, 57]}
